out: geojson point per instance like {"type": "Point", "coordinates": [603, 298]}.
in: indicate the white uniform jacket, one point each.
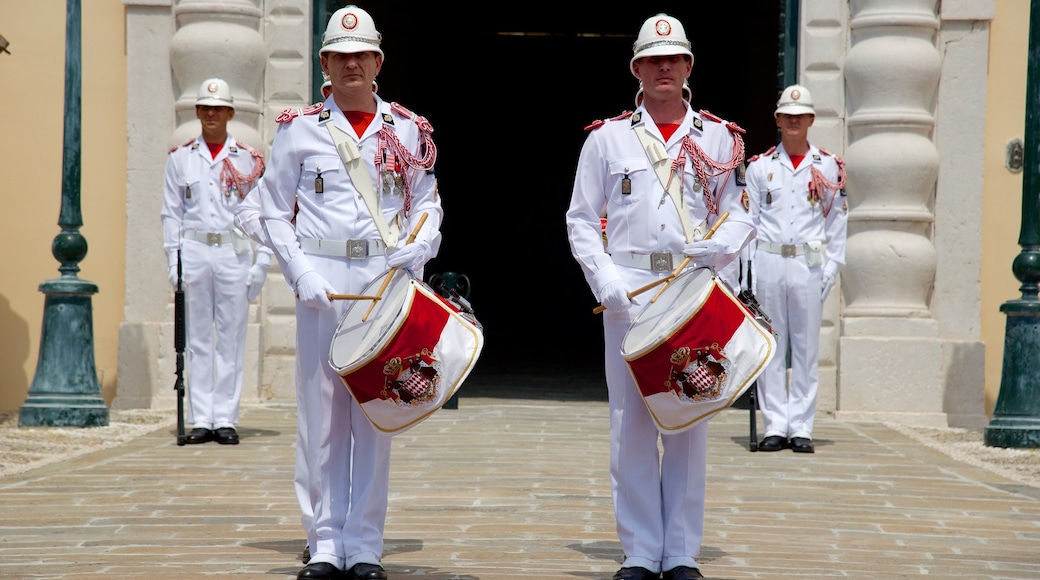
{"type": "Point", "coordinates": [194, 198]}
{"type": "Point", "coordinates": [782, 209]}
{"type": "Point", "coordinates": [646, 220]}
{"type": "Point", "coordinates": [304, 154]}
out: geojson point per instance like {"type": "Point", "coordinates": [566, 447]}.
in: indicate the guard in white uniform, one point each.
{"type": "Point", "coordinates": [624, 167]}
{"type": "Point", "coordinates": [799, 206]}
{"type": "Point", "coordinates": [206, 179]}
{"type": "Point", "coordinates": [334, 228]}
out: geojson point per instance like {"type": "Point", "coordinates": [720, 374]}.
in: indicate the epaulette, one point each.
{"type": "Point", "coordinates": [767, 152]}
{"type": "Point", "coordinates": [733, 127]}
{"type": "Point", "coordinates": [709, 116]}
{"type": "Point", "coordinates": [186, 143]}
{"type": "Point", "coordinates": [600, 122]}
{"type": "Point", "coordinates": [837, 158]}
{"type": "Point", "coordinates": [422, 122]}
{"type": "Point", "coordinates": [401, 110]}
{"type": "Point", "coordinates": [289, 114]}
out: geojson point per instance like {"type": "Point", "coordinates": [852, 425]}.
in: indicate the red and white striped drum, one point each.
{"type": "Point", "coordinates": [694, 350]}
{"type": "Point", "coordinates": [404, 357]}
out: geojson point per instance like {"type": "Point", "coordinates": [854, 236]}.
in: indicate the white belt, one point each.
{"type": "Point", "coordinates": [211, 238]}
{"type": "Point", "coordinates": [655, 262]}
{"type": "Point", "coordinates": [785, 250]}
{"type": "Point", "coordinates": [352, 249]}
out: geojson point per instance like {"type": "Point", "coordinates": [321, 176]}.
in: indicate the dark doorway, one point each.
{"type": "Point", "coordinates": [509, 95]}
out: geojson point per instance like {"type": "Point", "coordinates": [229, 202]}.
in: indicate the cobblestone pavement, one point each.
{"type": "Point", "coordinates": [509, 488]}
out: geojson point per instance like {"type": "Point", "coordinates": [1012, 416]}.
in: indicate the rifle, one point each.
{"type": "Point", "coordinates": [178, 345]}
{"type": "Point", "coordinates": [748, 298]}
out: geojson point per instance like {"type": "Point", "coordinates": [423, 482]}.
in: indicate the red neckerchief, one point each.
{"type": "Point", "coordinates": [667, 129]}
{"type": "Point", "coordinates": [360, 120]}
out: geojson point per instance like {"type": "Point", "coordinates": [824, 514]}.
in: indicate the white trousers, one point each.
{"type": "Point", "coordinates": [343, 462]}
{"type": "Point", "coordinates": [789, 292]}
{"type": "Point", "coordinates": [658, 492]}
{"type": "Point", "coordinates": [217, 311]}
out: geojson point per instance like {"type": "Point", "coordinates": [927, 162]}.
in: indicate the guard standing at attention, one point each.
{"type": "Point", "coordinates": [797, 194]}
{"type": "Point", "coordinates": [206, 179]}
{"type": "Point", "coordinates": [662, 175]}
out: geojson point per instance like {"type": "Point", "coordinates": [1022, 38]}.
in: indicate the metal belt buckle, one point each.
{"type": "Point", "coordinates": [788, 250]}
{"type": "Point", "coordinates": [661, 261]}
{"type": "Point", "coordinates": [357, 249]}
{"type": "Point", "coordinates": [213, 238]}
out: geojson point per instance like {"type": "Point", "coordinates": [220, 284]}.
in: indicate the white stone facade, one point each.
{"type": "Point", "coordinates": [898, 87]}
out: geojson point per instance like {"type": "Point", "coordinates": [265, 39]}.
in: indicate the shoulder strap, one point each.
{"type": "Point", "coordinates": [659, 159]}
{"type": "Point", "coordinates": [351, 157]}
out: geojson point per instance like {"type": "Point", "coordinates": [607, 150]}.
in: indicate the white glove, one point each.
{"type": "Point", "coordinates": [255, 281]}
{"type": "Point", "coordinates": [313, 290]}
{"type": "Point", "coordinates": [704, 252]}
{"type": "Point", "coordinates": [614, 296]}
{"type": "Point", "coordinates": [826, 285]}
{"type": "Point", "coordinates": [409, 256]}
{"type": "Point", "coordinates": [173, 276]}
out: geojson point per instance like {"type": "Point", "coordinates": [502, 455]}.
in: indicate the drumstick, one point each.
{"type": "Point", "coordinates": [386, 281]}
{"type": "Point", "coordinates": [637, 291]}
{"type": "Point", "coordinates": [674, 273]}
{"type": "Point", "coordinates": [352, 297]}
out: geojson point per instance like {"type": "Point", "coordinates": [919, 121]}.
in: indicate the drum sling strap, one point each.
{"type": "Point", "coordinates": [661, 163]}
{"type": "Point", "coordinates": [351, 157]}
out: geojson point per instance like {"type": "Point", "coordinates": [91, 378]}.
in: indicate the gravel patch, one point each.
{"type": "Point", "coordinates": [25, 448]}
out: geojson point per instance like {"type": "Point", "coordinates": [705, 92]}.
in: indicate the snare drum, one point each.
{"type": "Point", "coordinates": [407, 356]}
{"type": "Point", "coordinates": [694, 350]}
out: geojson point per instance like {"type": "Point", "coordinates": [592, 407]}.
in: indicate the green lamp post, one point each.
{"type": "Point", "coordinates": [1016, 416]}
{"type": "Point", "coordinates": [65, 391]}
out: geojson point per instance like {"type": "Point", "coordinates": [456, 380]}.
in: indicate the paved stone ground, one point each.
{"type": "Point", "coordinates": [505, 488]}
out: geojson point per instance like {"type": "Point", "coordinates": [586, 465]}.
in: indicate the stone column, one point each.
{"type": "Point", "coordinates": [218, 38]}
{"type": "Point", "coordinates": [890, 352]}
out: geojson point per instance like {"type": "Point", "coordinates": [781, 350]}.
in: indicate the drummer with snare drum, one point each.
{"type": "Point", "coordinates": [360, 171]}
{"type": "Point", "coordinates": [661, 175]}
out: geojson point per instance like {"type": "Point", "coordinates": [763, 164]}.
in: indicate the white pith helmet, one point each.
{"type": "Point", "coordinates": [660, 35]}
{"type": "Point", "coordinates": [351, 29]}
{"type": "Point", "coordinates": [795, 100]}
{"type": "Point", "coordinates": [215, 93]}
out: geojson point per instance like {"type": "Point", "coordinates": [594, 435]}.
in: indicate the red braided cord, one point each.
{"type": "Point", "coordinates": [819, 184]}
{"type": "Point", "coordinates": [701, 159]}
{"type": "Point", "coordinates": [230, 175]}
{"type": "Point", "coordinates": [388, 141]}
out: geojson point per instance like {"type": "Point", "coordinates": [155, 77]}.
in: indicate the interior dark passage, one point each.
{"type": "Point", "coordinates": [509, 96]}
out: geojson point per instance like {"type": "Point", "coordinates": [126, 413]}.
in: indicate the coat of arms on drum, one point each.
{"type": "Point", "coordinates": [412, 381]}
{"type": "Point", "coordinates": [698, 374]}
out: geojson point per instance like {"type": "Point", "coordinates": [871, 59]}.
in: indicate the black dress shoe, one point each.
{"type": "Point", "coordinates": [682, 573]}
{"type": "Point", "coordinates": [772, 443]}
{"type": "Point", "coordinates": [365, 571]}
{"type": "Point", "coordinates": [802, 445]}
{"type": "Point", "coordinates": [306, 555]}
{"type": "Point", "coordinates": [635, 573]}
{"type": "Point", "coordinates": [321, 571]}
{"type": "Point", "coordinates": [199, 435]}
{"type": "Point", "coordinates": [227, 436]}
